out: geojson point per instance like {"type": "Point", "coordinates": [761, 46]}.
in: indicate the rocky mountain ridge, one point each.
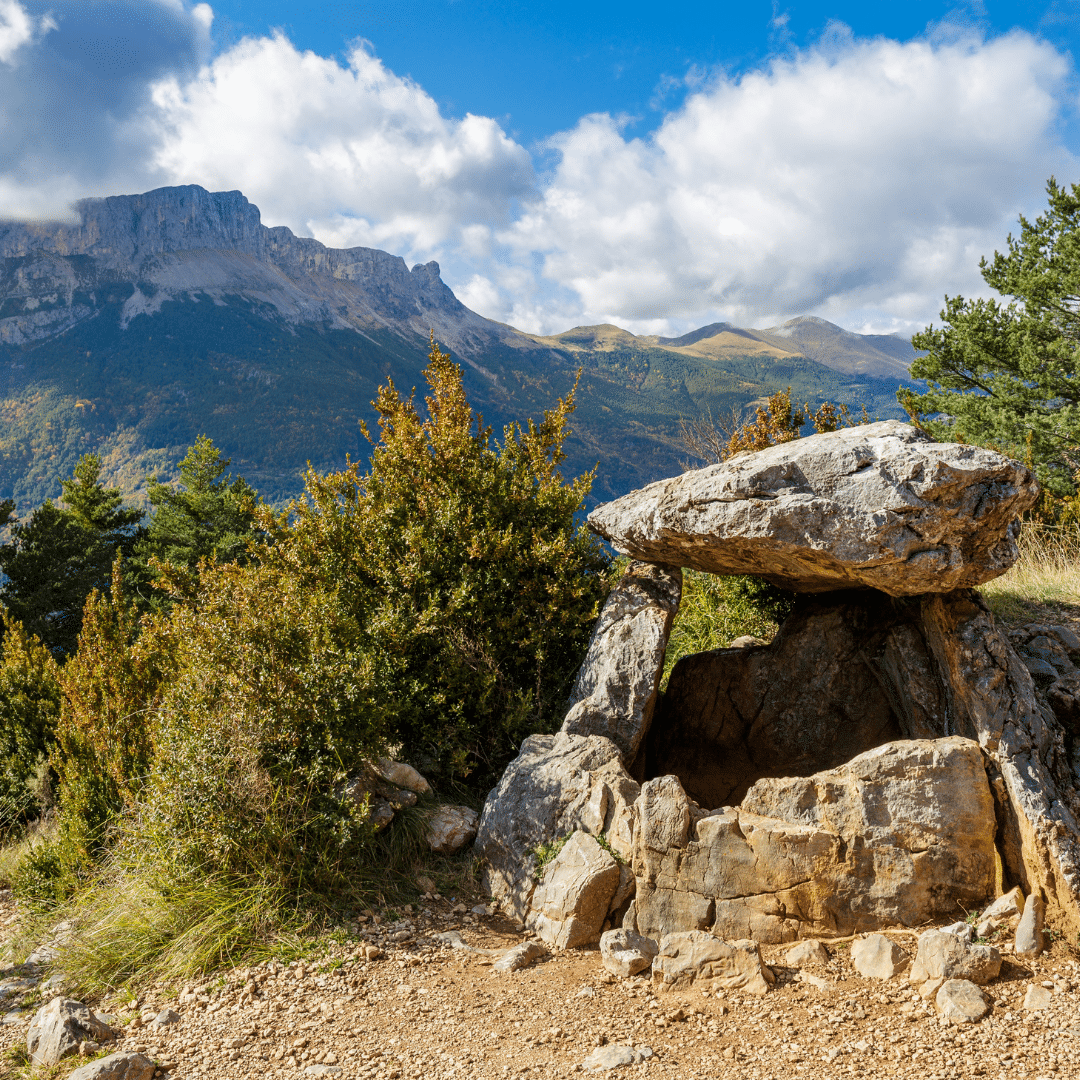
{"type": "Point", "coordinates": [154, 318]}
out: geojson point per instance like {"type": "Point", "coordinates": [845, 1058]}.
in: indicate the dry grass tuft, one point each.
{"type": "Point", "coordinates": [1045, 581]}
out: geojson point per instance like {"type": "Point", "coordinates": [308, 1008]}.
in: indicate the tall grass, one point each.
{"type": "Point", "coordinates": [1047, 575]}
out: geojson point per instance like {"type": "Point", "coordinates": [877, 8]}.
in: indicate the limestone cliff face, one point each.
{"type": "Point", "coordinates": [186, 242]}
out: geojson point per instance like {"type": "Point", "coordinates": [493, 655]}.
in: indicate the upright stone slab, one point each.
{"type": "Point", "coordinates": [617, 687]}
{"type": "Point", "coordinates": [558, 784]}
{"type": "Point", "coordinates": [879, 505]}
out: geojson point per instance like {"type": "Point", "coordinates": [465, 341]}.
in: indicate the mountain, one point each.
{"type": "Point", "coordinates": [161, 316]}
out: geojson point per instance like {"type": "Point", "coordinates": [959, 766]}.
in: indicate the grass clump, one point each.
{"type": "Point", "coordinates": [1044, 581]}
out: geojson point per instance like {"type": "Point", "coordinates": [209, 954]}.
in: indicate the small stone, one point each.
{"type": "Point", "coordinates": [323, 1070]}
{"type": "Point", "coordinates": [1029, 934]}
{"type": "Point", "coordinates": [404, 776]}
{"type": "Point", "coordinates": [961, 1002]}
{"type": "Point", "coordinates": [520, 956]}
{"type": "Point", "coordinates": [816, 981]}
{"type": "Point", "coordinates": [165, 1018]}
{"type": "Point", "coordinates": [1037, 997]}
{"type": "Point", "coordinates": [807, 953]}
{"type": "Point", "coordinates": [625, 953]}
{"type": "Point", "coordinates": [116, 1067]}
{"type": "Point", "coordinates": [963, 930]}
{"type": "Point", "coordinates": [949, 956]}
{"type": "Point", "coordinates": [451, 828]}
{"type": "Point", "coordinates": [878, 957]}
{"type": "Point", "coordinates": [1005, 907]}
{"type": "Point", "coordinates": [372, 952]}
{"type": "Point", "coordinates": [604, 1058]}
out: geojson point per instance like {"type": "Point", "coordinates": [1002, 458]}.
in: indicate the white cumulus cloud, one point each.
{"type": "Point", "coordinates": [859, 179]}
{"type": "Point", "coordinates": [354, 154]}
{"type": "Point", "coordinates": [18, 28]}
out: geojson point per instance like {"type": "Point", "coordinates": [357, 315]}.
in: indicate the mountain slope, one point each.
{"type": "Point", "coordinates": [176, 313]}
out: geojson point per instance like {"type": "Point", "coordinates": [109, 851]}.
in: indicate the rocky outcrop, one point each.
{"type": "Point", "coordinates": [897, 835]}
{"type": "Point", "coordinates": [557, 785]}
{"type": "Point", "coordinates": [619, 682]}
{"type": "Point", "coordinates": [879, 505]}
{"type": "Point", "coordinates": [59, 1027]}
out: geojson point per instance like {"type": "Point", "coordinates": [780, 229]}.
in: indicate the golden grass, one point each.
{"type": "Point", "coordinates": [1045, 581]}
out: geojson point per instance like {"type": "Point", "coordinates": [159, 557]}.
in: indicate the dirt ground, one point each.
{"type": "Point", "coordinates": [425, 1011]}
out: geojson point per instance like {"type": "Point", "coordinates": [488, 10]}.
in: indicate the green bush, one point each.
{"type": "Point", "coordinates": [716, 610]}
{"type": "Point", "coordinates": [29, 708]}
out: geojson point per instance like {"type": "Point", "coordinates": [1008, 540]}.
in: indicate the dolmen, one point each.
{"type": "Point", "coordinates": [888, 759]}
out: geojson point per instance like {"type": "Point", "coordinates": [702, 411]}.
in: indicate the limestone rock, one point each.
{"type": "Point", "coordinates": [618, 684]}
{"type": "Point", "coordinates": [1009, 905]}
{"type": "Point", "coordinates": [451, 828]}
{"type": "Point", "coordinates": [165, 1018]}
{"type": "Point", "coordinates": [948, 956]}
{"type": "Point", "coordinates": [1029, 934]}
{"type": "Point", "coordinates": [961, 1002]}
{"type": "Point", "coordinates": [57, 1029]}
{"type": "Point", "coordinates": [402, 775]}
{"type": "Point", "coordinates": [1037, 997]}
{"type": "Point", "coordinates": [696, 956]}
{"type": "Point", "coordinates": [613, 1056]}
{"type": "Point", "coordinates": [878, 957]}
{"type": "Point", "coordinates": [573, 897]}
{"type": "Point", "coordinates": [807, 954]}
{"type": "Point", "coordinates": [625, 953]}
{"type": "Point", "coordinates": [557, 784]}
{"type": "Point", "coordinates": [116, 1067]}
{"type": "Point", "coordinates": [897, 835]}
{"type": "Point", "coordinates": [520, 956]}
{"type": "Point", "coordinates": [879, 505]}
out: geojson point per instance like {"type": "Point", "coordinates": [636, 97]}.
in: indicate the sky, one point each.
{"type": "Point", "coordinates": [654, 166]}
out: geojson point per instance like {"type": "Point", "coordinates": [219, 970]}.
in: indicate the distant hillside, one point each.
{"type": "Point", "coordinates": [165, 315]}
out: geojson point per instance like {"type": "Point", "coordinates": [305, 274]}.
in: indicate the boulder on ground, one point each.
{"type": "Point", "coordinates": [402, 776]}
{"type": "Point", "coordinates": [619, 682]}
{"type": "Point", "coordinates": [897, 835]}
{"type": "Point", "coordinates": [960, 1001]}
{"type": "Point", "coordinates": [117, 1067]}
{"type": "Point", "coordinates": [1008, 906]}
{"type": "Point", "coordinates": [520, 956]}
{"type": "Point", "coordinates": [59, 1027]}
{"type": "Point", "coordinates": [625, 953]}
{"type": "Point", "coordinates": [949, 956]}
{"type": "Point", "coordinates": [1037, 997]}
{"type": "Point", "coordinates": [451, 828]}
{"type": "Point", "coordinates": [557, 784]}
{"type": "Point", "coordinates": [699, 957]}
{"type": "Point", "coordinates": [614, 1056]}
{"type": "Point", "coordinates": [807, 954]}
{"type": "Point", "coordinates": [880, 505]}
{"type": "Point", "coordinates": [878, 957]}
{"type": "Point", "coordinates": [574, 895]}
{"type": "Point", "coordinates": [1029, 934]}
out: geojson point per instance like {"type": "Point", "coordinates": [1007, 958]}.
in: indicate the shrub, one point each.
{"type": "Point", "coordinates": [29, 708]}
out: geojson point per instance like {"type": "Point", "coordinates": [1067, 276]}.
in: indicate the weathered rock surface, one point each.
{"type": "Point", "coordinates": [878, 957]}
{"type": "Point", "coordinates": [451, 828]}
{"type": "Point", "coordinates": [699, 957]}
{"type": "Point", "coordinates": [117, 1067]}
{"type": "Point", "coordinates": [809, 953]}
{"type": "Point", "coordinates": [614, 1056]}
{"type": "Point", "coordinates": [879, 505]}
{"type": "Point", "coordinates": [1037, 997]}
{"type": "Point", "coordinates": [617, 686]}
{"type": "Point", "coordinates": [895, 836]}
{"type": "Point", "coordinates": [574, 895]}
{"type": "Point", "coordinates": [924, 668]}
{"type": "Point", "coordinates": [1007, 906]}
{"type": "Point", "coordinates": [57, 1029]}
{"type": "Point", "coordinates": [1029, 934]}
{"type": "Point", "coordinates": [520, 956]}
{"type": "Point", "coordinates": [625, 953]}
{"type": "Point", "coordinates": [557, 784]}
{"type": "Point", "coordinates": [961, 1002]}
{"type": "Point", "coordinates": [941, 955]}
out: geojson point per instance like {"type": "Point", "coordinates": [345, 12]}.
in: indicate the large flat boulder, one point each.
{"type": "Point", "coordinates": [879, 505]}
{"type": "Point", "coordinates": [557, 785]}
{"type": "Point", "coordinates": [619, 682]}
{"type": "Point", "coordinates": [897, 835]}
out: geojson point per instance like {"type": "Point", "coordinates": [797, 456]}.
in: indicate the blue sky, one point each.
{"type": "Point", "coordinates": [540, 66]}
{"type": "Point", "coordinates": [654, 166]}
